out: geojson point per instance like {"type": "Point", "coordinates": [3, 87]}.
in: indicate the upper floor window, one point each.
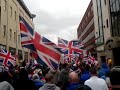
{"type": "Point", "coordinates": [10, 34]}
{"type": "Point", "coordinates": [19, 38]}
{"type": "Point", "coordinates": [15, 15]}
{"type": "Point", "coordinates": [91, 8]}
{"type": "Point", "coordinates": [10, 11]}
{"type": "Point", "coordinates": [14, 36]}
{"type": "Point", "coordinates": [105, 2]}
{"type": "Point", "coordinates": [4, 30]}
{"type": "Point", "coordinates": [107, 23]}
{"type": "Point", "coordinates": [88, 14]}
{"type": "Point", "coordinates": [5, 4]}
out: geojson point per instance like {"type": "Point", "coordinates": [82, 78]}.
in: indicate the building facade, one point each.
{"type": "Point", "coordinates": [113, 43]}
{"type": "Point", "coordinates": [86, 30]}
{"type": "Point", "coordinates": [10, 10]}
{"type": "Point", "coordinates": [107, 30]}
{"type": "Point", "coordinates": [102, 28]}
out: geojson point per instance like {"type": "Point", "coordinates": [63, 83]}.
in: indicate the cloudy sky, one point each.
{"type": "Point", "coordinates": [57, 18]}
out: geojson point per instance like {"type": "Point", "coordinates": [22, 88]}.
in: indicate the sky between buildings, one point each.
{"type": "Point", "coordinates": [57, 18]}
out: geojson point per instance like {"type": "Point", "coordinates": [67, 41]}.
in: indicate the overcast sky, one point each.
{"type": "Point", "coordinates": [57, 18]}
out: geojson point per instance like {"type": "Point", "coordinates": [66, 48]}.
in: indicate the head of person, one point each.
{"type": "Point", "coordinates": [64, 65]}
{"type": "Point", "coordinates": [49, 78]}
{"type": "Point", "coordinates": [4, 76]}
{"type": "Point", "coordinates": [115, 76]}
{"type": "Point", "coordinates": [73, 77]}
{"type": "Point", "coordinates": [93, 71]}
{"type": "Point", "coordinates": [87, 67]}
{"type": "Point", "coordinates": [23, 73]}
{"type": "Point", "coordinates": [69, 65]}
{"type": "Point", "coordinates": [35, 77]}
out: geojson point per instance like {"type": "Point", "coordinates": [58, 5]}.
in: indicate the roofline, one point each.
{"type": "Point", "coordinates": [25, 8]}
{"type": "Point", "coordinates": [90, 3]}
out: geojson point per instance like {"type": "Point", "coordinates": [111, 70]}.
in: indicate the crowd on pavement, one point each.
{"type": "Point", "coordinates": [68, 77]}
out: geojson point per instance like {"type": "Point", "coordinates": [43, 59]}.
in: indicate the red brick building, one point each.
{"type": "Point", "coordinates": [86, 32]}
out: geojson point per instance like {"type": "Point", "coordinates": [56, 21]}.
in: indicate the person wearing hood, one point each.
{"type": "Point", "coordinates": [37, 81]}
{"type": "Point", "coordinates": [49, 84]}
{"type": "Point", "coordinates": [86, 74]}
{"type": "Point", "coordinates": [56, 75]}
{"type": "Point", "coordinates": [64, 76]}
{"type": "Point", "coordinates": [103, 71]}
{"type": "Point", "coordinates": [6, 86]}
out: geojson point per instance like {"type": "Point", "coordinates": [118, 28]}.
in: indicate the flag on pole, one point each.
{"type": "Point", "coordinates": [91, 58]}
{"type": "Point", "coordinates": [26, 32]}
{"type": "Point", "coordinates": [6, 58]}
{"type": "Point", "coordinates": [69, 47]}
{"type": "Point", "coordinates": [47, 51]}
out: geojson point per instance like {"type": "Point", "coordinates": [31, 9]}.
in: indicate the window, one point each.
{"type": "Point", "coordinates": [10, 34]}
{"type": "Point", "coordinates": [117, 7]}
{"type": "Point", "coordinates": [2, 46]}
{"type": "Point", "coordinates": [105, 2]}
{"type": "Point", "coordinates": [14, 36]}
{"type": "Point", "coordinates": [12, 50]}
{"type": "Point", "coordinates": [115, 17]}
{"type": "Point", "coordinates": [100, 40]}
{"type": "Point", "coordinates": [88, 14]}
{"type": "Point", "coordinates": [91, 8]}
{"type": "Point", "coordinates": [20, 55]}
{"type": "Point", "coordinates": [4, 30]}
{"type": "Point", "coordinates": [5, 3]}
{"type": "Point", "coordinates": [18, 38]}
{"type": "Point", "coordinates": [107, 23]}
{"type": "Point", "coordinates": [0, 16]}
{"type": "Point", "coordinates": [26, 56]}
{"type": "Point", "coordinates": [15, 15]}
{"type": "Point", "coordinates": [10, 11]}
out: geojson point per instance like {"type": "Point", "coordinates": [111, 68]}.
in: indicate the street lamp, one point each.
{"type": "Point", "coordinates": [33, 16]}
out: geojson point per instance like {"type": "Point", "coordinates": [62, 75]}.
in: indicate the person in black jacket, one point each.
{"type": "Point", "coordinates": [115, 78]}
{"type": "Point", "coordinates": [23, 82]}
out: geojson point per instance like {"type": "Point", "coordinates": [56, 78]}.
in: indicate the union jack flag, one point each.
{"type": "Point", "coordinates": [71, 58]}
{"type": "Point", "coordinates": [6, 58]}
{"type": "Point", "coordinates": [69, 47]}
{"type": "Point", "coordinates": [91, 58]}
{"type": "Point", "coordinates": [47, 51]}
{"type": "Point", "coordinates": [27, 33]}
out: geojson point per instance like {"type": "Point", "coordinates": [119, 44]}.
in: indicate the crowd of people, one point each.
{"type": "Point", "coordinates": [68, 77]}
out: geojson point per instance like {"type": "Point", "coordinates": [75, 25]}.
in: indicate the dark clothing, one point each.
{"type": "Point", "coordinates": [24, 84]}
{"type": "Point", "coordinates": [115, 89]}
{"type": "Point", "coordinates": [73, 86]}
{"type": "Point", "coordinates": [38, 84]}
{"type": "Point", "coordinates": [84, 87]}
{"type": "Point", "coordinates": [63, 78]}
{"type": "Point", "coordinates": [85, 76]}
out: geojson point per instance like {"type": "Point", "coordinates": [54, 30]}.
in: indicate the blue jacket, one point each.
{"type": "Point", "coordinates": [38, 84]}
{"type": "Point", "coordinates": [85, 76]}
{"type": "Point", "coordinates": [104, 70]}
{"type": "Point", "coordinates": [73, 86]}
